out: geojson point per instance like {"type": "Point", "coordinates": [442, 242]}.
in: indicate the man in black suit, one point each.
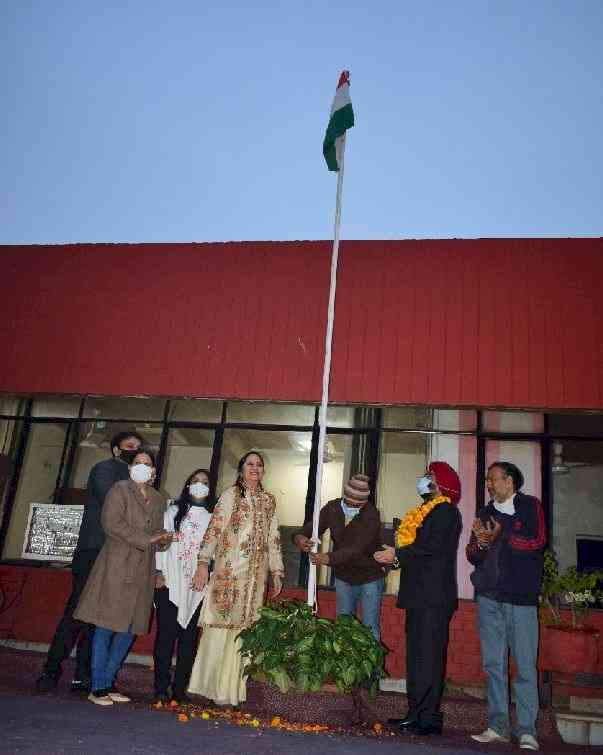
{"type": "Point", "coordinates": [426, 554]}
{"type": "Point", "coordinates": [91, 537]}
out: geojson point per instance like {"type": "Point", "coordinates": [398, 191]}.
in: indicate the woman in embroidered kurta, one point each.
{"type": "Point", "coordinates": [243, 540]}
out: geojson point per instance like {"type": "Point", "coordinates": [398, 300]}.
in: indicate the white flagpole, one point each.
{"type": "Point", "coordinates": [326, 374]}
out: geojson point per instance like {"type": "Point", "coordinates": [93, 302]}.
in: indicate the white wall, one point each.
{"type": "Point", "coordinates": [577, 510]}
{"type": "Point", "coordinates": [37, 483]}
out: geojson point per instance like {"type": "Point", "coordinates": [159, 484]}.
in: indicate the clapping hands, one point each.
{"type": "Point", "coordinates": [486, 533]}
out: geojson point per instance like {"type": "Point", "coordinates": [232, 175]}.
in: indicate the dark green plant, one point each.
{"type": "Point", "coordinates": [571, 589]}
{"type": "Point", "coordinates": [294, 649]}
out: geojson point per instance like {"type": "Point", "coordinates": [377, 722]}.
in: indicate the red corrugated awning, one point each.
{"type": "Point", "coordinates": [501, 322]}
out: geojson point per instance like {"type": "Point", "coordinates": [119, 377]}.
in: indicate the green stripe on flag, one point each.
{"type": "Point", "coordinates": [339, 123]}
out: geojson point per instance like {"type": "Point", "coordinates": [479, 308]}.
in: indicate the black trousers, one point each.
{"type": "Point", "coordinates": [169, 632]}
{"type": "Point", "coordinates": [69, 630]}
{"type": "Point", "coordinates": [426, 649]}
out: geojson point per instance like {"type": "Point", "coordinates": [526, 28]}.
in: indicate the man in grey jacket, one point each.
{"type": "Point", "coordinates": [102, 477]}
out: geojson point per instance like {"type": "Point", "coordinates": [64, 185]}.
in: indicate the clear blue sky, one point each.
{"type": "Point", "coordinates": [188, 120]}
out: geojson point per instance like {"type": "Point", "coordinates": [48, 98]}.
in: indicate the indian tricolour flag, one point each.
{"type": "Point", "coordinates": [342, 118]}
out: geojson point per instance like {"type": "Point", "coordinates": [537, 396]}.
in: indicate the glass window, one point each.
{"type": "Point", "coordinates": [513, 422]}
{"type": "Point", "coordinates": [12, 405]}
{"type": "Point", "coordinates": [94, 445]}
{"type": "Point", "coordinates": [196, 410]}
{"type": "Point", "coordinates": [426, 418]}
{"type": "Point", "coordinates": [576, 424]}
{"type": "Point", "coordinates": [525, 454]}
{"type": "Point", "coordinates": [455, 419]}
{"type": "Point", "coordinates": [38, 480]}
{"type": "Point", "coordinates": [10, 432]}
{"type": "Point", "coordinates": [109, 407]}
{"type": "Point", "coordinates": [188, 448]}
{"type": "Point", "coordinates": [408, 417]}
{"type": "Point", "coordinates": [577, 512]}
{"type": "Point", "coordinates": [55, 406]}
{"type": "Point", "coordinates": [402, 460]}
{"type": "Point", "coordinates": [287, 458]}
{"type": "Point", "coordinates": [352, 416]}
{"type": "Point", "coordinates": [340, 416]}
{"type": "Point", "coordinates": [270, 414]}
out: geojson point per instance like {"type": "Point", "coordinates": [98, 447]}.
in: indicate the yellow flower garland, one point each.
{"type": "Point", "coordinates": [413, 519]}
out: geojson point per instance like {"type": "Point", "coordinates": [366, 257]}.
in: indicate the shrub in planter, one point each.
{"type": "Point", "coordinates": [571, 589]}
{"type": "Point", "coordinates": [570, 647]}
{"type": "Point", "coordinates": [294, 649]}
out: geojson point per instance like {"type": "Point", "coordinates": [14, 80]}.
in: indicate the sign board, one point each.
{"type": "Point", "coordinates": [52, 531]}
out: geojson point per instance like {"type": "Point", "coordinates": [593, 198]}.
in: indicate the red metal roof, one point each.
{"type": "Point", "coordinates": [485, 322]}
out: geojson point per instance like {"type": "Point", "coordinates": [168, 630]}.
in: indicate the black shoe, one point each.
{"type": "Point", "coordinates": [47, 683]}
{"type": "Point", "coordinates": [161, 697]}
{"type": "Point", "coordinates": [425, 730]}
{"type": "Point", "coordinates": [402, 723]}
{"type": "Point", "coordinates": [181, 698]}
{"type": "Point", "coordinates": [80, 686]}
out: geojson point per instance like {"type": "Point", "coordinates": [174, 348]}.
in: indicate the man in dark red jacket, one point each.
{"type": "Point", "coordinates": [506, 548]}
{"type": "Point", "coordinates": [355, 528]}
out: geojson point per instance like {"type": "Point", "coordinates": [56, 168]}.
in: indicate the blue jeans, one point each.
{"type": "Point", "coordinates": [108, 652]}
{"type": "Point", "coordinates": [346, 599]}
{"type": "Point", "coordinates": [503, 626]}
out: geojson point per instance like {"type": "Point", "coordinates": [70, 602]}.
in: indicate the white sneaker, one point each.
{"type": "Point", "coordinates": [528, 742]}
{"type": "Point", "coordinates": [488, 736]}
{"type": "Point", "coordinates": [118, 697]}
{"type": "Point", "coordinates": [100, 699]}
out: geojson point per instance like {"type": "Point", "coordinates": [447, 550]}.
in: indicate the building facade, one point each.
{"type": "Point", "coordinates": [462, 350]}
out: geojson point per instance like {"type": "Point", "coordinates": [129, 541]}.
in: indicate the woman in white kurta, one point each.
{"type": "Point", "coordinates": [244, 542]}
{"type": "Point", "coordinates": [177, 604]}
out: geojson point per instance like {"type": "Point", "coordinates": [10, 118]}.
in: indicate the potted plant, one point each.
{"type": "Point", "coordinates": [568, 646]}
{"type": "Point", "coordinates": [297, 651]}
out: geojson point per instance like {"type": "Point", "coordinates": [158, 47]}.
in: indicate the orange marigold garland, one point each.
{"type": "Point", "coordinates": [413, 519]}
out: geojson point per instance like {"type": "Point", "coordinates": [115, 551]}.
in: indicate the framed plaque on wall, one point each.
{"type": "Point", "coordinates": [52, 531]}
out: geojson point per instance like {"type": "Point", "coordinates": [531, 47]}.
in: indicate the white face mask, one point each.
{"type": "Point", "coordinates": [198, 490]}
{"type": "Point", "coordinates": [424, 485]}
{"type": "Point", "coordinates": [141, 473]}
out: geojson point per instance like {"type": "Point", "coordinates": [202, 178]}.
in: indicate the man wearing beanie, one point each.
{"type": "Point", "coordinates": [355, 528]}
{"type": "Point", "coordinates": [426, 547]}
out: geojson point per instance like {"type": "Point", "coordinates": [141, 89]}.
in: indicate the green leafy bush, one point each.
{"type": "Point", "coordinates": [577, 591]}
{"type": "Point", "coordinates": [294, 649]}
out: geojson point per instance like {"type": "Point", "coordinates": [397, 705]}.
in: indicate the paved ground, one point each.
{"type": "Point", "coordinates": [42, 725]}
{"type": "Point", "coordinates": [64, 723]}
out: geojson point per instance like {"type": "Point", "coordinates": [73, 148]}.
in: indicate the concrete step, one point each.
{"type": "Point", "coordinates": [580, 728]}
{"type": "Point", "coordinates": [586, 705]}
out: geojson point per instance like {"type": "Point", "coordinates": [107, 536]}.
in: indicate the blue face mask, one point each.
{"type": "Point", "coordinates": [424, 485]}
{"type": "Point", "coordinates": [349, 511]}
